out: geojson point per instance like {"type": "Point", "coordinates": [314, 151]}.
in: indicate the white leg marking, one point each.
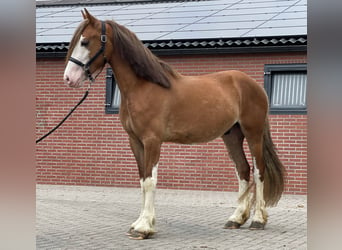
{"type": "Point", "coordinates": [142, 204]}
{"type": "Point", "coordinates": [242, 212]}
{"type": "Point", "coordinates": [260, 214]}
{"type": "Point", "coordinates": [146, 221]}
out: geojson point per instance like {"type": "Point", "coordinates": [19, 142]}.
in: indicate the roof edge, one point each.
{"type": "Point", "coordinates": [63, 3]}
{"type": "Point", "coordinates": [201, 46]}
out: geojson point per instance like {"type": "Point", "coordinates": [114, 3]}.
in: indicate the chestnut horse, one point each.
{"type": "Point", "coordinates": [158, 105]}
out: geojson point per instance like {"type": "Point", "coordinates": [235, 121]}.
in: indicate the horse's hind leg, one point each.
{"type": "Point", "coordinates": [234, 143]}
{"type": "Point", "coordinates": [254, 138]}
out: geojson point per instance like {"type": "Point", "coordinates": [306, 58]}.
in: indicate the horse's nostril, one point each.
{"type": "Point", "coordinates": [67, 80]}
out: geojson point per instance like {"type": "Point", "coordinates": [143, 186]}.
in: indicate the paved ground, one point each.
{"type": "Point", "coordinates": [70, 217]}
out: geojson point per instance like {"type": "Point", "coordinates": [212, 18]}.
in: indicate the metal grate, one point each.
{"type": "Point", "coordinates": [289, 90]}
{"type": "Point", "coordinates": [116, 98]}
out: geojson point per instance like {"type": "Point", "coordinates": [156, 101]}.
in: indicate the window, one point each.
{"type": "Point", "coordinates": [285, 85]}
{"type": "Point", "coordinates": [112, 94]}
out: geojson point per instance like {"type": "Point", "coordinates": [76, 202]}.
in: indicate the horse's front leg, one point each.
{"type": "Point", "coordinates": [138, 150]}
{"type": "Point", "coordinates": [144, 226]}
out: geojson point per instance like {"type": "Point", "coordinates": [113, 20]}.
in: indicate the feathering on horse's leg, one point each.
{"type": "Point", "coordinates": [253, 129]}
{"type": "Point", "coordinates": [234, 143]}
{"type": "Point", "coordinates": [260, 214]}
{"type": "Point", "coordinates": [268, 174]}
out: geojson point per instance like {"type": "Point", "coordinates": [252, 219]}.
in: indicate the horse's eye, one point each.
{"type": "Point", "coordinates": [84, 43]}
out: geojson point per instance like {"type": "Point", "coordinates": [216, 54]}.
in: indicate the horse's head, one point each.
{"type": "Point", "coordinates": [87, 51]}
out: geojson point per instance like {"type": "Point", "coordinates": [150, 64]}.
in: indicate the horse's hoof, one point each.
{"type": "Point", "coordinates": [135, 235]}
{"type": "Point", "coordinates": [130, 231]}
{"type": "Point", "coordinates": [256, 225]}
{"type": "Point", "coordinates": [232, 225]}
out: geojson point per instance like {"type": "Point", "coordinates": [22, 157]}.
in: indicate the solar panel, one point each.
{"type": "Point", "coordinates": [235, 18]}
{"type": "Point", "coordinates": [283, 23]}
{"type": "Point", "coordinates": [151, 35]}
{"type": "Point", "coordinates": [251, 11]}
{"type": "Point", "coordinates": [222, 26]}
{"type": "Point", "coordinates": [181, 14]}
{"type": "Point", "coordinates": [298, 8]}
{"type": "Point", "coordinates": [292, 15]}
{"type": "Point", "coordinates": [280, 31]}
{"type": "Point", "coordinates": [203, 34]}
{"type": "Point", "coordinates": [181, 20]}
{"type": "Point", "coordinates": [155, 28]}
{"type": "Point", "coordinates": [214, 2]}
{"type": "Point", "coordinates": [153, 5]}
{"type": "Point", "coordinates": [69, 26]}
{"type": "Point", "coordinates": [47, 26]}
{"type": "Point", "coordinates": [162, 21]}
{"type": "Point", "coordinates": [263, 4]}
{"type": "Point", "coordinates": [197, 8]}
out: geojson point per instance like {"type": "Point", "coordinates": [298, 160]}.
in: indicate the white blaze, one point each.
{"type": "Point", "coordinates": [74, 74]}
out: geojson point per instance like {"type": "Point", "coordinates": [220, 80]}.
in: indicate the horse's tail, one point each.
{"type": "Point", "coordinates": [274, 170]}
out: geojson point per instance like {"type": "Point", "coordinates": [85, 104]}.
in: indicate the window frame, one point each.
{"type": "Point", "coordinates": [110, 89]}
{"type": "Point", "coordinates": [269, 70]}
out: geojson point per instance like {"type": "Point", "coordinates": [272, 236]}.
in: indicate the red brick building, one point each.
{"type": "Point", "coordinates": [91, 147]}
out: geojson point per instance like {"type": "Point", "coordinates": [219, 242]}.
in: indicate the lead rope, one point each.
{"type": "Point", "coordinates": [90, 77]}
{"type": "Point", "coordinates": [66, 117]}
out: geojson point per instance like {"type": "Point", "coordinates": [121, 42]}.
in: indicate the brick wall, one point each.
{"type": "Point", "coordinates": [91, 148]}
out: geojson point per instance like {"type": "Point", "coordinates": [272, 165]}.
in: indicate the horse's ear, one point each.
{"type": "Point", "coordinates": [87, 15]}
{"type": "Point", "coordinates": [84, 15]}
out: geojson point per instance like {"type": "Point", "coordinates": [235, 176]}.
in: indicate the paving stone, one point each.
{"type": "Point", "coordinates": [73, 217]}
